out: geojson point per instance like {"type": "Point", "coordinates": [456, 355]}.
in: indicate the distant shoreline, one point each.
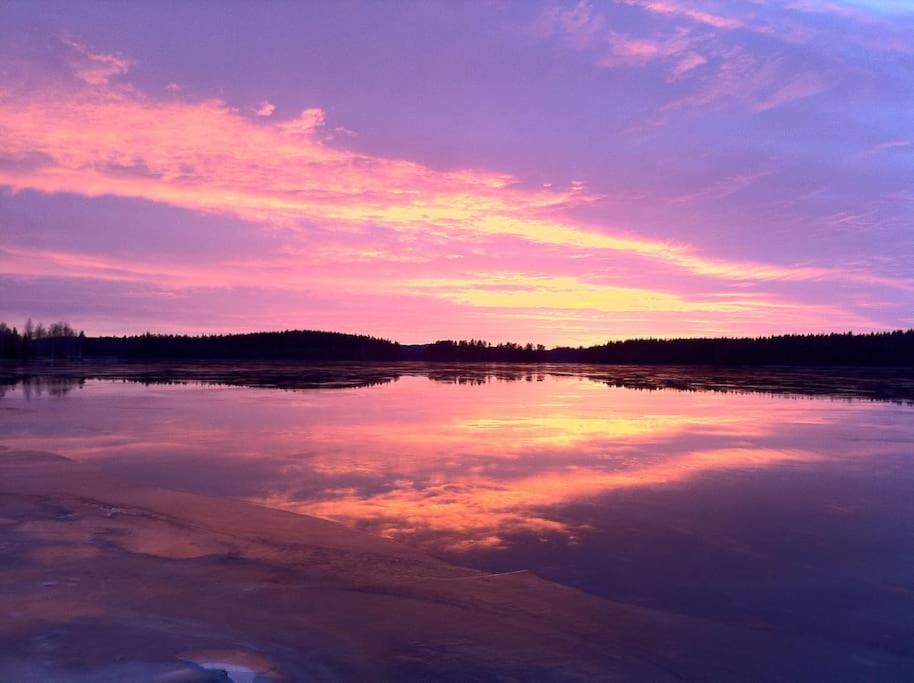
{"type": "Point", "coordinates": [878, 349]}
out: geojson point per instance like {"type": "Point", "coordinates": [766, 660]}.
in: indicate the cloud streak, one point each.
{"type": "Point", "coordinates": [207, 156]}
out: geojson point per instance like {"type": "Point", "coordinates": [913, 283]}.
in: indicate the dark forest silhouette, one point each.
{"type": "Point", "coordinates": [875, 349]}
{"type": "Point", "coordinates": [57, 340]}
{"type": "Point", "coordinates": [60, 341]}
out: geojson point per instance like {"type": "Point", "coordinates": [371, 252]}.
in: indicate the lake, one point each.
{"type": "Point", "coordinates": [778, 501]}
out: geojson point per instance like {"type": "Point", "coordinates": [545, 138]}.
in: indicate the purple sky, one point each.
{"type": "Point", "coordinates": [564, 172]}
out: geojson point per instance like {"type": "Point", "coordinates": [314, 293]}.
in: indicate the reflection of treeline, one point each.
{"type": "Point", "coordinates": [57, 379]}
{"type": "Point", "coordinates": [498, 374]}
{"type": "Point", "coordinates": [38, 385]}
{"type": "Point", "coordinates": [61, 341]}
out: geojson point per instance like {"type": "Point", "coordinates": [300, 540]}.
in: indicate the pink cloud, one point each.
{"type": "Point", "coordinates": [585, 29]}
{"type": "Point", "coordinates": [758, 84]}
{"type": "Point", "coordinates": [204, 156]}
{"type": "Point", "coordinates": [798, 88]}
{"type": "Point", "coordinates": [265, 108]}
{"type": "Point", "coordinates": [679, 9]}
{"type": "Point", "coordinates": [630, 51]}
{"type": "Point", "coordinates": [887, 146]}
{"type": "Point", "coordinates": [94, 68]}
{"type": "Point", "coordinates": [689, 61]}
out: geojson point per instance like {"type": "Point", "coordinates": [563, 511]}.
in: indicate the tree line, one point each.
{"type": "Point", "coordinates": [286, 345]}
{"type": "Point", "coordinates": [873, 349]}
{"type": "Point", "coordinates": [60, 340]}
{"type": "Point", "coordinates": [476, 351]}
{"type": "Point", "coordinates": [57, 340]}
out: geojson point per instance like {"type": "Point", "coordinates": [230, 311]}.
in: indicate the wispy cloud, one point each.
{"type": "Point", "coordinates": [265, 108]}
{"type": "Point", "coordinates": [92, 67]}
{"type": "Point", "coordinates": [887, 146]}
{"type": "Point", "coordinates": [687, 11]}
{"type": "Point", "coordinates": [585, 27]}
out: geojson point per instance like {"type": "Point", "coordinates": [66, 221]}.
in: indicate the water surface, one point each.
{"type": "Point", "coordinates": [776, 501]}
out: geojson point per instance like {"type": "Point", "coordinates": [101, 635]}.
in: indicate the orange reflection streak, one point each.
{"type": "Point", "coordinates": [464, 466]}
{"type": "Point", "coordinates": [583, 449]}
{"type": "Point", "coordinates": [474, 510]}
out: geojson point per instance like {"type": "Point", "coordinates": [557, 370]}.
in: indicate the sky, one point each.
{"type": "Point", "coordinates": [561, 173]}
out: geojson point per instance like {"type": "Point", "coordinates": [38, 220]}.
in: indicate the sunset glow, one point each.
{"type": "Point", "coordinates": [555, 173]}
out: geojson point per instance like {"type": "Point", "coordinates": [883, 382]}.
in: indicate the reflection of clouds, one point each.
{"type": "Point", "coordinates": [474, 474]}
{"type": "Point", "coordinates": [478, 511]}
{"type": "Point", "coordinates": [569, 429]}
{"type": "Point", "coordinates": [525, 430]}
{"type": "Point", "coordinates": [444, 465]}
{"type": "Point", "coordinates": [157, 439]}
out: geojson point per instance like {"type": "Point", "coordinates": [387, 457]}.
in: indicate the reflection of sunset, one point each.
{"type": "Point", "coordinates": [565, 430]}
{"type": "Point", "coordinates": [453, 466]}
{"type": "Point", "coordinates": [475, 509]}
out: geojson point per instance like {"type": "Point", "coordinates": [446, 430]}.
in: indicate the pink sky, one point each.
{"type": "Point", "coordinates": [559, 173]}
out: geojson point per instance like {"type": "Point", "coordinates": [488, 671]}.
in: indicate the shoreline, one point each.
{"type": "Point", "coordinates": [852, 382]}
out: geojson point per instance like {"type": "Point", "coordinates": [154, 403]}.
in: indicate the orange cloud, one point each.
{"type": "Point", "coordinates": [520, 291]}
{"type": "Point", "coordinates": [207, 156]}
{"type": "Point", "coordinates": [564, 303]}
